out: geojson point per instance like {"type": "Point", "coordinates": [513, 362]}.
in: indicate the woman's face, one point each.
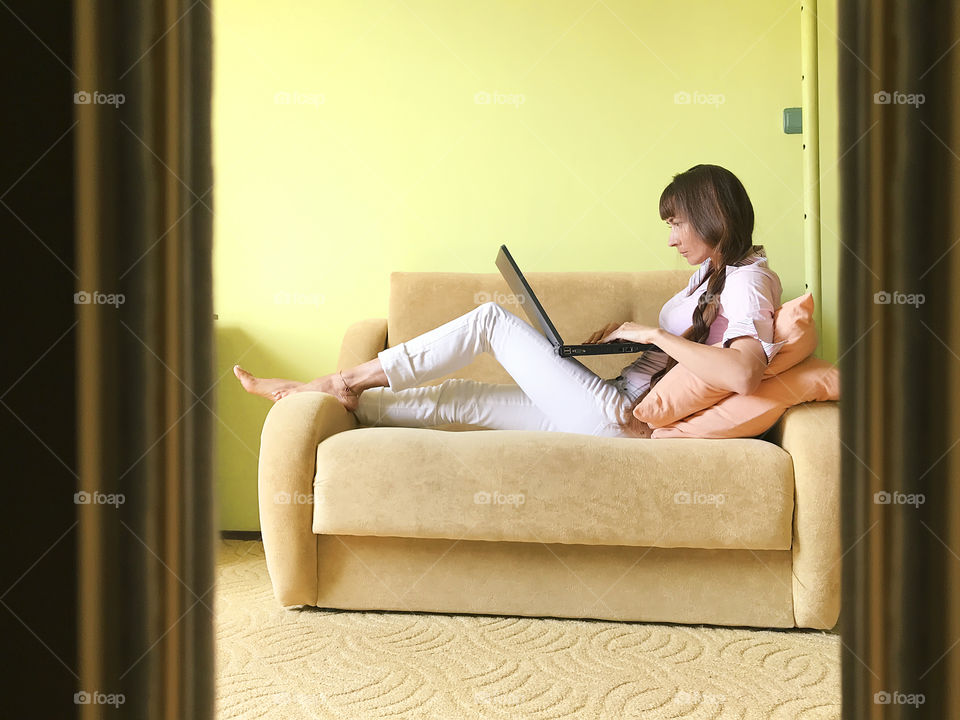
{"type": "Point", "coordinates": [688, 243]}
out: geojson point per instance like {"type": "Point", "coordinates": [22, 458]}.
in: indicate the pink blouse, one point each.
{"type": "Point", "coordinates": [750, 296]}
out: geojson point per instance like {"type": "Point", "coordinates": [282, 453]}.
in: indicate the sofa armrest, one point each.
{"type": "Point", "coordinates": [362, 341]}
{"type": "Point", "coordinates": [288, 457]}
{"type": "Point", "coordinates": [810, 432]}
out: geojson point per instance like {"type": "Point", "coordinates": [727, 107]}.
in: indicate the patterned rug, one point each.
{"type": "Point", "coordinates": [318, 664]}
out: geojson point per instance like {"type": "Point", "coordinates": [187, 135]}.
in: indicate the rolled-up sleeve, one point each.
{"type": "Point", "coordinates": [748, 301]}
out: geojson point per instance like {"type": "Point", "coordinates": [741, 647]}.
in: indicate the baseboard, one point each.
{"type": "Point", "coordinates": [241, 535]}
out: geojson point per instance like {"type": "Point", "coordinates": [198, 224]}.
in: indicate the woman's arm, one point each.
{"type": "Point", "coordinates": [738, 368]}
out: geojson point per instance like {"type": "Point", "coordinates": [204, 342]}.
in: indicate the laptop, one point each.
{"type": "Point", "coordinates": [538, 316]}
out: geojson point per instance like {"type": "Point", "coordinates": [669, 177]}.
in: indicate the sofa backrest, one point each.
{"type": "Point", "coordinates": [579, 303]}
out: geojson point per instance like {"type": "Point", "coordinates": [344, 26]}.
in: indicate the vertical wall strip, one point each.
{"type": "Point", "coordinates": [809, 94]}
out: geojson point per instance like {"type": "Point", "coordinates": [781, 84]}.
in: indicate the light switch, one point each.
{"type": "Point", "coordinates": [792, 121]}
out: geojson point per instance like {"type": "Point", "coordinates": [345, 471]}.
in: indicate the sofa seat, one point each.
{"type": "Point", "coordinates": [526, 486]}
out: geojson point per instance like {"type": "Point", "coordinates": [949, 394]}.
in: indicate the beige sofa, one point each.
{"type": "Point", "coordinates": [467, 520]}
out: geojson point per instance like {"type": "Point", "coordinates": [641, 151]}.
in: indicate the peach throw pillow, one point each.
{"type": "Point", "coordinates": [680, 392]}
{"type": "Point", "coordinates": [740, 416]}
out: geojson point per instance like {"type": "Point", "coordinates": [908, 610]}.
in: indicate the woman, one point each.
{"type": "Point", "coordinates": [711, 225]}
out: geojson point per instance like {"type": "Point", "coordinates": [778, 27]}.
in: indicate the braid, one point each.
{"type": "Point", "coordinates": [708, 307]}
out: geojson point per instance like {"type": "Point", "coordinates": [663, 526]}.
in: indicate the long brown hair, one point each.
{"type": "Point", "coordinates": [715, 203]}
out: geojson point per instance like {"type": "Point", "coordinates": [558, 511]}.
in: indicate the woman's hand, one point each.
{"type": "Point", "coordinates": [600, 333]}
{"type": "Point", "coordinates": [631, 332]}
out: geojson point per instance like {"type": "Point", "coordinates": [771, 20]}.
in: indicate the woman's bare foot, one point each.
{"type": "Point", "coordinates": [332, 384]}
{"type": "Point", "coordinates": [264, 387]}
{"type": "Point", "coordinates": [278, 388]}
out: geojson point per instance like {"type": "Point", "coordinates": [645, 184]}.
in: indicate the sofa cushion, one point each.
{"type": "Point", "coordinates": [552, 487]}
{"type": "Point", "coordinates": [681, 392]}
{"type": "Point", "coordinates": [813, 380]}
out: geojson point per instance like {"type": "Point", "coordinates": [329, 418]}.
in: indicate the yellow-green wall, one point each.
{"type": "Point", "coordinates": [830, 246]}
{"type": "Point", "coordinates": [385, 160]}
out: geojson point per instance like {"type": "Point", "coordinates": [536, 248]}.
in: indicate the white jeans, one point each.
{"type": "Point", "coordinates": [551, 393]}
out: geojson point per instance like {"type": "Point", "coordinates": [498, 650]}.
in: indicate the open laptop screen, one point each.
{"type": "Point", "coordinates": [525, 295]}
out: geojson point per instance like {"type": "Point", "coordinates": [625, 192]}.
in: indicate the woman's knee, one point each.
{"type": "Point", "coordinates": [490, 308]}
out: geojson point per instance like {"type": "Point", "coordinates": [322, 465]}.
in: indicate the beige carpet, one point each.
{"type": "Point", "coordinates": [276, 663]}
